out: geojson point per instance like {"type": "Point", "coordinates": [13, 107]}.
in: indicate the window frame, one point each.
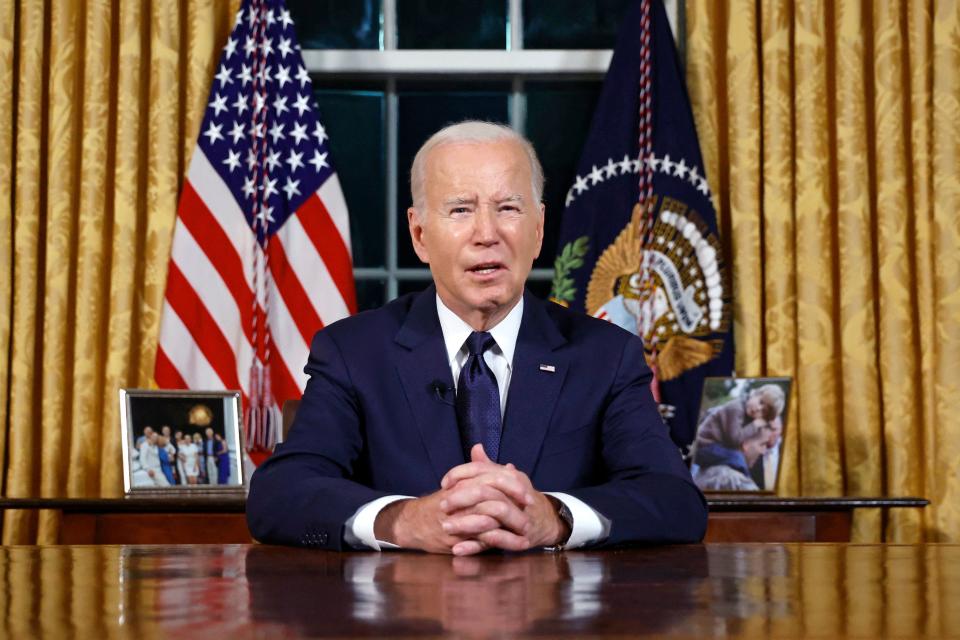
{"type": "Point", "coordinates": [514, 64]}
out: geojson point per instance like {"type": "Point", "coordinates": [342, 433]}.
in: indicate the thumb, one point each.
{"type": "Point", "coordinates": [477, 454]}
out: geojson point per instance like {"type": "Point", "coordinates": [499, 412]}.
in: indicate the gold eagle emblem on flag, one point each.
{"type": "Point", "coordinates": [682, 303]}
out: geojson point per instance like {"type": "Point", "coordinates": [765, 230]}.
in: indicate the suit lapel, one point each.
{"type": "Point", "coordinates": [533, 390]}
{"type": "Point", "coordinates": [422, 363]}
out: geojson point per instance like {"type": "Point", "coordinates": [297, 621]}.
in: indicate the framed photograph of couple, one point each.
{"type": "Point", "coordinates": [740, 432]}
{"type": "Point", "coordinates": [181, 441]}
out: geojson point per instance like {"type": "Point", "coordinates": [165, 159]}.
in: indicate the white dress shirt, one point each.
{"type": "Point", "coordinates": [588, 525]}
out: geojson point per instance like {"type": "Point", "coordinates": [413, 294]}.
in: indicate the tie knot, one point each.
{"type": "Point", "coordinates": [478, 342]}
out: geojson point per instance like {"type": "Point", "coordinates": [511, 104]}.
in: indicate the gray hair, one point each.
{"type": "Point", "coordinates": [466, 132]}
{"type": "Point", "coordinates": [772, 399]}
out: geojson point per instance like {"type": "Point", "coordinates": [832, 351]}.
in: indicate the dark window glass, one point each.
{"type": "Point", "coordinates": [335, 24]}
{"type": "Point", "coordinates": [558, 120]}
{"type": "Point", "coordinates": [413, 286]}
{"type": "Point", "coordinates": [539, 288]}
{"type": "Point", "coordinates": [571, 24]}
{"type": "Point", "coordinates": [423, 110]}
{"type": "Point", "coordinates": [354, 120]}
{"type": "Point", "coordinates": [370, 294]}
{"type": "Point", "coordinates": [452, 24]}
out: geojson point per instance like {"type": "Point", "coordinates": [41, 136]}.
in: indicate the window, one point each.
{"type": "Point", "coordinates": [388, 73]}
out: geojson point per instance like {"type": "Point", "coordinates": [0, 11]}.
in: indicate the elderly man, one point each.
{"type": "Point", "coordinates": [472, 415]}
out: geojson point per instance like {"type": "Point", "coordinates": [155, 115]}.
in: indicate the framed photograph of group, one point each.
{"type": "Point", "coordinates": [181, 441]}
{"type": "Point", "coordinates": [739, 441]}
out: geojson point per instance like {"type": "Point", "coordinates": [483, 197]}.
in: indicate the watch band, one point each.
{"type": "Point", "coordinates": [564, 512]}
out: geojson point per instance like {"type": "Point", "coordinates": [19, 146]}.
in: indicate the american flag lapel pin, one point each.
{"type": "Point", "coordinates": [549, 368]}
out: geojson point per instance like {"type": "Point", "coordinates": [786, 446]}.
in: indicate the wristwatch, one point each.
{"type": "Point", "coordinates": [564, 512]}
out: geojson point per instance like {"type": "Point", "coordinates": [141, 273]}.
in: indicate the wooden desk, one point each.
{"type": "Point", "coordinates": [245, 591]}
{"type": "Point", "coordinates": [220, 520]}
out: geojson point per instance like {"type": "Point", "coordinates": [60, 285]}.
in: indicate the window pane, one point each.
{"type": "Point", "coordinates": [571, 24]}
{"type": "Point", "coordinates": [370, 294]}
{"type": "Point", "coordinates": [354, 120]}
{"type": "Point", "coordinates": [336, 24]}
{"type": "Point", "coordinates": [558, 120]}
{"type": "Point", "coordinates": [452, 24]}
{"type": "Point", "coordinates": [539, 288]}
{"type": "Point", "coordinates": [414, 286]}
{"type": "Point", "coordinates": [423, 109]}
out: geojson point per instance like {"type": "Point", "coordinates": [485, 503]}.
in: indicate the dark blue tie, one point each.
{"type": "Point", "coordinates": [478, 399]}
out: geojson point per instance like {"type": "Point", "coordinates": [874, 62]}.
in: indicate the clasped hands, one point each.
{"type": "Point", "coordinates": [480, 505]}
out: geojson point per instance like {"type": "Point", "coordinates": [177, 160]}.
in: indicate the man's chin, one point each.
{"type": "Point", "coordinates": [492, 299]}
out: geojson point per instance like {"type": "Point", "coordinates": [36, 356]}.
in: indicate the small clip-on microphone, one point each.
{"type": "Point", "coordinates": [440, 389]}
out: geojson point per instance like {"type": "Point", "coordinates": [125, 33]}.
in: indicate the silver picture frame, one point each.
{"type": "Point", "coordinates": [201, 438]}
{"type": "Point", "coordinates": [740, 434]}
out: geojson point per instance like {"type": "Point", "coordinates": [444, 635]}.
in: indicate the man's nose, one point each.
{"type": "Point", "coordinates": [486, 226]}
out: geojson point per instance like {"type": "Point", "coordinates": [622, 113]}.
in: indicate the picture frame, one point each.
{"type": "Point", "coordinates": [159, 460]}
{"type": "Point", "coordinates": [738, 445]}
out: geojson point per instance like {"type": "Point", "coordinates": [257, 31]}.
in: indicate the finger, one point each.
{"type": "Point", "coordinates": [477, 454]}
{"type": "Point", "coordinates": [489, 515]}
{"type": "Point", "coordinates": [466, 567]}
{"type": "Point", "coordinates": [507, 514]}
{"type": "Point", "coordinates": [515, 484]}
{"type": "Point", "coordinates": [468, 547]}
{"type": "Point", "coordinates": [502, 539]}
{"type": "Point", "coordinates": [464, 472]}
{"type": "Point", "coordinates": [469, 494]}
{"type": "Point", "coordinates": [470, 525]}
{"type": "Point", "coordinates": [486, 487]}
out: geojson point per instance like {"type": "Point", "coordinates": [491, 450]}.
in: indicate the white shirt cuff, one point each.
{"type": "Point", "coordinates": [358, 531]}
{"type": "Point", "coordinates": [588, 525]}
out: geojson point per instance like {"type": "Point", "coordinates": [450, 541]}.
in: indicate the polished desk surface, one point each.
{"type": "Point", "coordinates": [235, 502]}
{"type": "Point", "coordinates": [241, 591]}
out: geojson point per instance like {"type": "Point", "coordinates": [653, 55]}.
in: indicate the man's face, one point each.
{"type": "Point", "coordinates": [754, 448]}
{"type": "Point", "coordinates": [209, 432]}
{"type": "Point", "coordinates": [774, 431]}
{"type": "Point", "coordinates": [481, 228]}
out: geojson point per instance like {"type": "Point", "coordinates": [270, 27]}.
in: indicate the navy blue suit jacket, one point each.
{"type": "Point", "coordinates": [373, 423]}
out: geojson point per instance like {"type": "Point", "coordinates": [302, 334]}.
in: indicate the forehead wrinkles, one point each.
{"type": "Point", "coordinates": [471, 170]}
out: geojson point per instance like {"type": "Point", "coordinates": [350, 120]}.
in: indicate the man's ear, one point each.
{"type": "Point", "coordinates": [543, 211]}
{"type": "Point", "coordinates": [416, 226]}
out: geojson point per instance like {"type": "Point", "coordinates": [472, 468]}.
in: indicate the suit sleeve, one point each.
{"type": "Point", "coordinates": [648, 494]}
{"type": "Point", "coordinates": [302, 495]}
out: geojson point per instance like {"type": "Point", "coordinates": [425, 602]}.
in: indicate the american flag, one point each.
{"type": "Point", "coordinates": [261, 248]}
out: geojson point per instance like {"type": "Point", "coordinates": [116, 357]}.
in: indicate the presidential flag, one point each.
{"type": "Point", "coordinates": [639, 242]}
{"type": "Point", "coordinates": [261, 248]}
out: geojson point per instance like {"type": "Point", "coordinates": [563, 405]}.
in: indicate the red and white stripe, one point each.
{"type": "Point", "coordinates": [206, 332]}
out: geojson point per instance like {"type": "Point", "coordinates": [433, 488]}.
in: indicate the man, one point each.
{"type": "Point", "coordinates": [147, 431]}
{"type": "Point", "coordinates": [385, 449]}
{"type": "Point", "coordinates": [150, 459]}
{"type": "Point", "coordinates": [210, 456]}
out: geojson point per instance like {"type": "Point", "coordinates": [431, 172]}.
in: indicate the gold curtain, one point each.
{"type": "Point", "coordinates": [102, 102]}
{"type": "Point", "coordinates": [831, 135]}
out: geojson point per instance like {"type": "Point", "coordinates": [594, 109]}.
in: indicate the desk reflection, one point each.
{"type": "Point", "coordinates": [241, 591]}
{"type": "Point", "coordinates": [479, 595]}
{"type": "Point", "coordinates": [495, 594]}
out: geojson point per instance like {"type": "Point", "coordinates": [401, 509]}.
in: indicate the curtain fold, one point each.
{"type": "Point", "coordinates": [107, 102]}
{"type": "Point", "coordinates": [841, 223]}
{"type": "Point", "coordinates": [829, 132]}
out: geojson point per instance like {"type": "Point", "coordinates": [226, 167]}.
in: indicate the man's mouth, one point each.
{"type": "Point", "coordinates": [485, 268]}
